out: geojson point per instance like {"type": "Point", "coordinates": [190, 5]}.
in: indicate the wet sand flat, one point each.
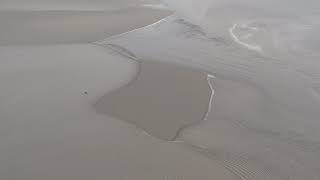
{"type": "Point", "coordinates": [162, 99]}
{"type": "Point", "coordinates": [50, 27]}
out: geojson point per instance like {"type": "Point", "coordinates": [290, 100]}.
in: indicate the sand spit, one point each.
{"type": "Point", "coordinates": [162, 99]}
{"type": "Point", "coordinates": [49, 130]}
{"type": "Point", "coordinates": [51, 27]}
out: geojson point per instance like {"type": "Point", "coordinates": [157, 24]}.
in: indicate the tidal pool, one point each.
{"type": "Point", "coordinates": [163, 99]}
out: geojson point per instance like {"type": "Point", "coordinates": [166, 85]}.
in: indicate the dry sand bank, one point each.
{"type": "Point", "coordinates": [49, 130]}
{"type": "Point", "coordinates": [52, 27]}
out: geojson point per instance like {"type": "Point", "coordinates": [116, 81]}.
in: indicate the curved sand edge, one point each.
{"type": "Point", "coordinates": [51, 132]}
{"type": "Point", "coordinates": [71, 27]}
{"type": "Point", "coordinates": [162, 99]}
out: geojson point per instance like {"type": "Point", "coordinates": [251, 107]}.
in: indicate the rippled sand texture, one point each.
{"type": "Point", "coordinates": [163, 99]}
{"type": "Point", "coordinates": [264, 121]}
{"type": "Point", "coordinates": [247, 149]}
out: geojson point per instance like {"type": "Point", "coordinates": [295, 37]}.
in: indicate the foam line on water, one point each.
{"type": "Point", "coordinates": [236, 39]}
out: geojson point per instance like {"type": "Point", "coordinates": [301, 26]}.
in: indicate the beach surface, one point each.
{"type": "Point", "coordinates": [127, 90]}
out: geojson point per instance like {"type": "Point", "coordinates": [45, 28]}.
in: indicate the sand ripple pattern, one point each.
{"type": "Point", "coordinates": [264, 122]}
